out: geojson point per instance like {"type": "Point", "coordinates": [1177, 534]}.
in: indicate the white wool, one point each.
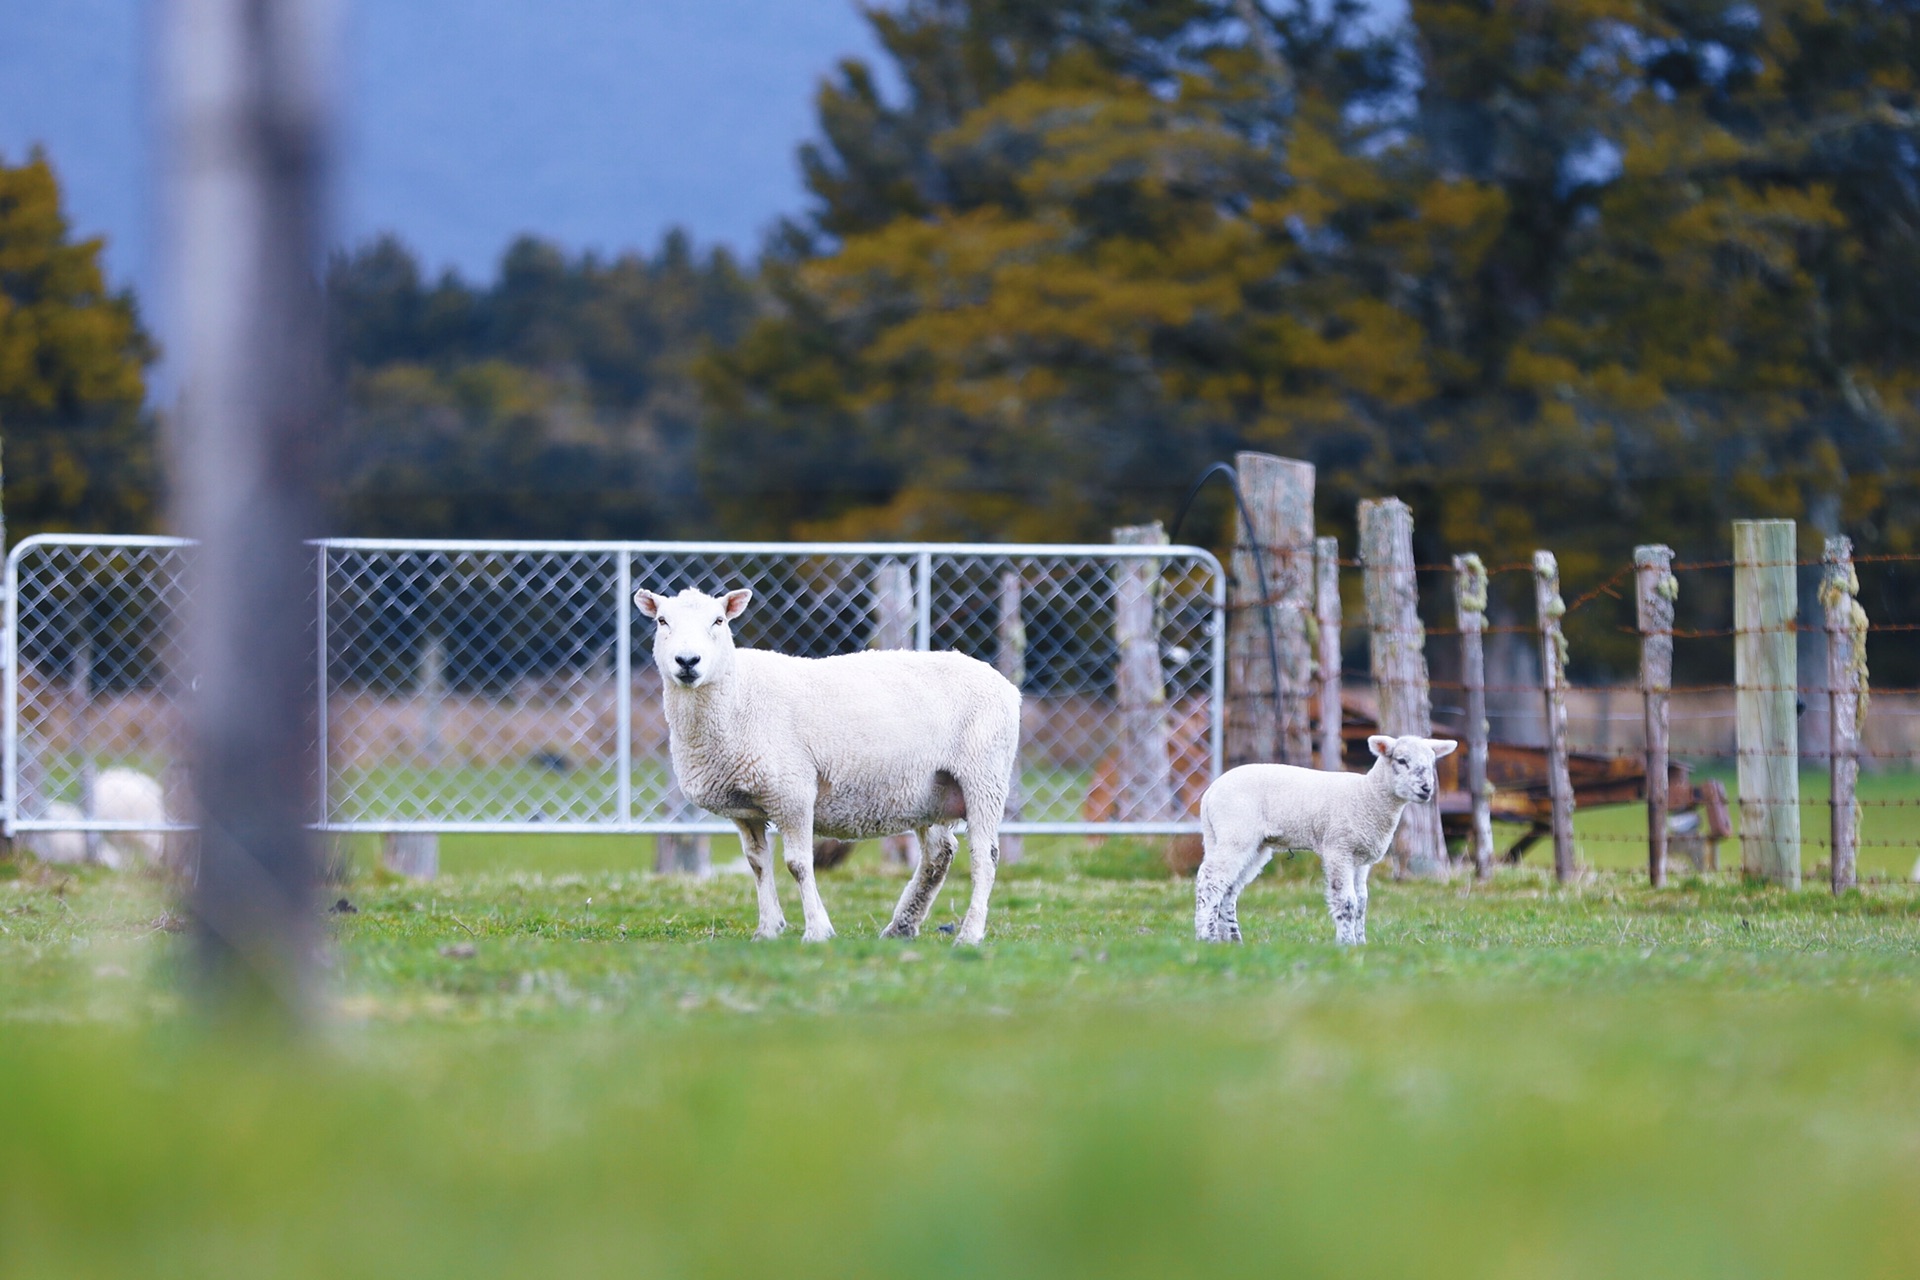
{"type": "Point", "coordinates": [119, 795]}
{"type": "Point", "coordinates": [855, 746]}
{"type": "Point", "coordinates": [1347, 819]}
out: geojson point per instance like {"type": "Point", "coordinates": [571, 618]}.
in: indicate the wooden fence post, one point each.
{"type": "Point", "coordinates": [1143, 790]}
{"type": "Point", "coordinates": [893, 628]}
{"type": "Point", "coordinates": [1655, 592]}
{"type": "Point", "coordinates": [1010, 658]}
{"type": "Point", "coordinates": [416, 854]}
{"type": "Point", "coordinates": [1470, 606]}
{"type": "Point", "coordinates": [1326, 610]}
{"type": "Point", "coordinates": [1399, 660]}
{"type": "Point", "coordinates": [80, 718]}
{"type": "Point", "coordinates": [1846, 701]}
{"type": "Point", "coordinates": [1550, 608]}
{"type": "Point", "coordinates": [1766, 675]}
{"type": "Point", "coordinates": [1269, 721]}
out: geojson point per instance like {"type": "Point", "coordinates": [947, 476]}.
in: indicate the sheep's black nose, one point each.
{"type": "Point", "coordinates": [687, 664]}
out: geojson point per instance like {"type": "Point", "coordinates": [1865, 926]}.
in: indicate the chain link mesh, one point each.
{"type": "Point", "coordinates": [473, 686]}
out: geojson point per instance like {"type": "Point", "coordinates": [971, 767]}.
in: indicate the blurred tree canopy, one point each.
{"type": "Point", "coordinates": [79, 446]}
{"type": "Point", "coordinates": [556, 402]}
{"type": "Point", "coordinates": [1571, 275]}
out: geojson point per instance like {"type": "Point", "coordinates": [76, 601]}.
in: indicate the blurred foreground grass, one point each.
{"type": "Point", "coordinates": [595, 1072]}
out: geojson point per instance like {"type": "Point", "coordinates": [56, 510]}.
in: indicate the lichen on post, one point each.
{"type": "Point", "coordinates": [1550, 609]}
{"type": "Point", "coordinates": [1470, 607]}
{"type": "Point", "coordinates": [1847, 703]}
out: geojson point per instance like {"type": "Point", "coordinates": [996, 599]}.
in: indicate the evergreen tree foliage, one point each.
{"type": "Point", "coordinates": [79, 448]}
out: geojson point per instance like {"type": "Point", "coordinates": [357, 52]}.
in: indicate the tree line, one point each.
{"type": "Point", "coordinates": [1566, 275]}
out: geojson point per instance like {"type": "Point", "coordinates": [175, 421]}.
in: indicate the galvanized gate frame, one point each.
{"type": "Point", "coordinates": [921, 555]}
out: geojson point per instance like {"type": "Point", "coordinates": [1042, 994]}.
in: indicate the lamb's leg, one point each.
{"type": "Point", "coordinates": [936, 855]}
{"type": "Point", "coordinates": [1229, 920]}
{"type": "Point", "coordinates": [796, 838]}
{"type": "Point", "coordinates": [1360, 873]}
{"type": "Point", "coordinates": [1220, 865]}
{"type": "Point", "coordinates": [983, 855]}
{"type": "Point", "coordinates": [1341, 902]}
{"type": "Point", "coordinates": [754, 843]}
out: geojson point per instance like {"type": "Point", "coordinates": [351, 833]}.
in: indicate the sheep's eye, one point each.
{"type": "Point", "coordinates": [718, 621]}
{"type": "Point", "coordinates": [661, 623]}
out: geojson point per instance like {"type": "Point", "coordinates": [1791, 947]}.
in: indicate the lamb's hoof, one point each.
{"type": "Point", "coordinates": [899, 930]}
{"type": "Point", "coordinates": [823, 934]}
{"type": "Point", "coordinates": [766, 933]}
{"type": "Point", "coordinates": [970, 937]}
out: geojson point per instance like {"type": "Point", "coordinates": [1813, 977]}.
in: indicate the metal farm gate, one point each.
{"type": "Point", "coordinates": [509, 687]}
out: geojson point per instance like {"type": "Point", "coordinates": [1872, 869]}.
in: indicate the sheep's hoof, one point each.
{"type": "Point", "coordinates": [825, 934]}
{"type": "Point", "coordinates": [767, 933]}
{"type": "Point", "coordinates": [970, 937]}
{"type": "Point", "coordinates": [898, 929]}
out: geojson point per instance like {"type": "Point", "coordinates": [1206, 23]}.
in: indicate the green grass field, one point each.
{"type": "Point", "coordinates": [549, 1062]}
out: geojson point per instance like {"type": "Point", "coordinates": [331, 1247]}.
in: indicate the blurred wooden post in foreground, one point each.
{"type": "Point", "coordinates": [246, 85]}
{"type": "Point", "coordinates": [1268, 719]}
{"type": "Point", "coordinates": [1326, 615]}
{"type": "Point", "coordinates": [1655, 592]}
{"type": "Point", "coordinates": [1846, 700]}
{"type": "Point", "coordinates": [1010, 659]}
{"type": "Point", "coordinates": [1549, 609]}
{"type": "Point", "coordinates": [1399, 658]}
{"type": "Point", "coordinates": [1766, 676]}
{"type": "Point", "coordinates": [1143, 790]}
{"type": "Point", "coordinates": [1470, 608]}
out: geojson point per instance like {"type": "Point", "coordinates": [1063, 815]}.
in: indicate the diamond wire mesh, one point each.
{"type": "Point", "coordinates": [479, 687]}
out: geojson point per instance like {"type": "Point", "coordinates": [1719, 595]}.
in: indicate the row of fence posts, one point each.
{"type": "Point", "coordinates": [1284, 672]}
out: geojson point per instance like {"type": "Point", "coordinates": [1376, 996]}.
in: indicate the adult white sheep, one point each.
{"type": "Point", "coordinates": [119, 795]}
{"type": "Point", "coordinates": [1345, 818]}
{"type": "Point", "coordinates": [855, 746]}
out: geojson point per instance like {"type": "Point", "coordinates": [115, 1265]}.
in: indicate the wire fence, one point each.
{"type": "Point", "coordinates": [496, 687]}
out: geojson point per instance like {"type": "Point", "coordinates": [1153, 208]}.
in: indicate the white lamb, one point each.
{"type": "Point", "coordinates": [119, 795]}
{"type": "Point", "coordinates": [1345, 818]}
{"type": "Point", "coordinates": [855, 746]}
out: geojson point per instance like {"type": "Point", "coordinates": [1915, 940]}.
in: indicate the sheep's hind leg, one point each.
{"type": "Point", "coordinates": [1360, 872]}
{"type": "Point", "coordinates": [796, 838]}
{"type": "Point", "coordinates": [1342, 903]}
{"type": "Point", "coordinates": [937, 846]}
{"type": "Point", "coordinates": [754, 843]}
{"type": "Point", "coordinates": [983, 857]}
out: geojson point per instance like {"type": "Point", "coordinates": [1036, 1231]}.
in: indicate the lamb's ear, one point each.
{"type": "Point", "coordinates": [647, 602]}
{"type": "Point", "coordinates": [1442, 746]}
{"type": "Point", "coordinates": [736, 602]}
{"type": "Point", "coordinates": [1380, 744]}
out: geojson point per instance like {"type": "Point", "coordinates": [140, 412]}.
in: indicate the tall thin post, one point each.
{"type": "Point", "coordinates": [247, 83]}
{"type": "Point", "coordinates": [1010, 659]}
{"type": "Point", "coordinates": [1766, 677]}
{"type": "Point", "coordinates": [1326, 613]}
{"type": "Point", "coordinates": [1846, 702]}
{"type": "Point", "coordinates": [80, 733]}
{"type": "Point", "coordinates": [1549, 609]}
{"type": "Point", "coordinates": [416, 854]}
{"type": "Point", "coordinates": [896, 625]}
{"type": "Point", "coordinates": [1269, 718]}
{"type": "Point", "coordinates": [1143, 790]}
{"type": "Point", "coordinates": [1655, 592]}
{"type": "Point", "coordinates": [1399, 658]}
{"type": "Point", "coordinates": [1470, 608]}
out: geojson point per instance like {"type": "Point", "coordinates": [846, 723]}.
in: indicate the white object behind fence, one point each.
{"type": "Point", "coordinates": [477, 686]}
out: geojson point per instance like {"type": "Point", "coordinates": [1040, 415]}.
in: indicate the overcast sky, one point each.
{"type": "Point", "coordinates": [594, 122]}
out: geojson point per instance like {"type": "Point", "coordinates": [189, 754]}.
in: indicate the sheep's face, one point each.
{"type": "Point", "coordinates": [692, 641]}
{"type": "Point", "coordinates": [1409, 764]}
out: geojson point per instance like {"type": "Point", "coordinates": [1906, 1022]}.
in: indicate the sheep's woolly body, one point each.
{"type": "Point", "coordinates": [1347, 819]}
{"type": "Point", "coordinates": [855, 746]}
{"type": "Point", "coordinates": [119, 795]}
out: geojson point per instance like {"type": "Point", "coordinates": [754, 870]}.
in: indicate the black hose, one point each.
{"type": "Point", "coordinates": [1253, 544]}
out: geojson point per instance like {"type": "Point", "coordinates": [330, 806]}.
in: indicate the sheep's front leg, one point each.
{"type": "Point", "coordinates": [759, 851]}
{"type": "Point", "coordinates": [796, 838]}
{"type": "Point", "coordinates": [1342, 903]}
{"type": "Point", "coordinates": [936, 855]}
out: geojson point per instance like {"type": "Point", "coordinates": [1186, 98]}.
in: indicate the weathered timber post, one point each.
{"type": "Point", "coordinates": [80, 717]}
{"type": "Point", "coordinates": [1398, 656]}
{"type": "Point", "coordinates": [1470, 607]}
{"type": "Point", "coordinates": [1655, 592]}
{"type": "Point", "coordinates": [1326, 613]}
{"type": "Point", "coordinates": [893, 628]}
{"type": "Point", "coordinates": [1010, 659]}
{"type": "Point", "coordinates": [417, 853]}
{"type": "Point", "coordinates": [1143, 790]}
{"type": "Point", "coordinates": [1550, 608]}
{"type": "Point", "coordinates": [1766, 677]}
{"type": "Point", "coordinates": [1265, 720]}
{"type": "Point", "coordinates": [1846, 702]}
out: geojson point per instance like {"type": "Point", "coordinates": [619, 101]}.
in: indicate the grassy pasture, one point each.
{"type": "Point", "coordinates": [549, 1061]}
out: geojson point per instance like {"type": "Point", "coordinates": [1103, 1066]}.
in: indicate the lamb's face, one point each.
{"type": "Point", "coordinates": [692, 643]}
{"type": "Point", "coordinates": [1409, 762]}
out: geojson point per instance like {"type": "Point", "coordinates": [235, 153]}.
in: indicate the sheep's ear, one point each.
{"type": "Point", "coordinates": [1380, 744]}
{"type": "Point", "coordinates": [648, 603]}
{"type": "Point", "coordinates": [1442, 746]}
{"type": "Point", "coordinates": [736, 602]}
